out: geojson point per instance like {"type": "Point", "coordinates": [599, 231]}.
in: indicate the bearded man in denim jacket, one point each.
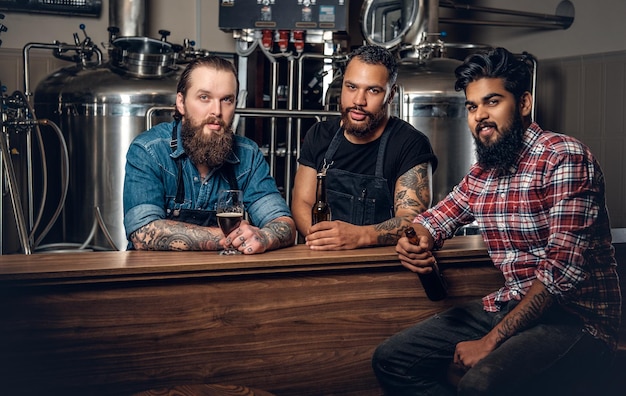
{"type": "Point", "coordinates": [171, 189]}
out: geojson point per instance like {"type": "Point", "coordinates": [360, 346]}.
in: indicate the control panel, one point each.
{"type": "Point", "coordinates": [283, 14]}
{"type": "Point", "coordinates": [88, 8]}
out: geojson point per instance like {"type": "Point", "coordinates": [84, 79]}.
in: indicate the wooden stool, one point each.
{"type": "Point", "coordinates": [205, 390]}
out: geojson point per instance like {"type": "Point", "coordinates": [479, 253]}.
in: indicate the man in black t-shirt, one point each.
{"type": "Point", "coordinates": [378, 168]}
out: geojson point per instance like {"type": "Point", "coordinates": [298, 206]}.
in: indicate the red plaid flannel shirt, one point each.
{"type": "Point", "coordinates": [544, 219]}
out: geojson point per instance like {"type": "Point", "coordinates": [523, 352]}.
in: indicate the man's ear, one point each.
{"type": "Point", "coordinates": [180, 103]}
{"type": "Point", "coordinates": [392, 93]}
{"type": "Point", "coordinates": [526, 104]}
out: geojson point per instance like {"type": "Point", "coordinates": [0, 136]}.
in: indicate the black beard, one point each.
{"type": "Point", "coordinates": [504, 152]}
{"type": "Point", "coordinates": [208, 150]}
{"type": "Point", "coordinates": [373, 121]}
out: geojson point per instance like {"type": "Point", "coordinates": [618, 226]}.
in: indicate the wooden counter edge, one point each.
{"type": "Point", "coordinates": [97, 267]}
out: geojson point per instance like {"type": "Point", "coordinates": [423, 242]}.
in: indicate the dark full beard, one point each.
{"type": "Point", "coordinates": [209, 150]}
{"type": "Point", "coordinates": [504, 152]}
{"type": "Point", "coordinates": [361, 131]}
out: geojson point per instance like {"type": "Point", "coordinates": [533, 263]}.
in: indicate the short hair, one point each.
{"type": "Point", "coordinates": [211, 61]}
{"type": "Point", "coordinates": [377, 55]}
{"type": "Point", "coordinates": [496, 63]}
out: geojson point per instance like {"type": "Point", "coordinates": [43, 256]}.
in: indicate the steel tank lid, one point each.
{"type": "Point", "coordinates": [143, 56]}
{"type": "Point", "coordinates": [77, 84]}
{"type": "Point", "coordinates": [433, 77]}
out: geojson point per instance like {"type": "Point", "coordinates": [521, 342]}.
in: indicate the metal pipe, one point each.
{"type": "Point", "coordinates": [65, 176]}
{"type": "Point", "coordinates": [491, 10]}
{"type": "Point", "coordinates": [288, 138]}
{"type": "Point", "coordinates": [30, 181]}
{"type": "Point", "coordinates": [255, 112]}
{"type": "Point", "coordinates": [433, 18]}
{"type": "Point", "coordinates": [59, 47]}
{"type": "Point", "coordinates": [287, 113]}
{"type": "Point", "coordinates": [299, 99]}
{"type": "Point", "coordinates": [129, 16]}
{"type": "Point", "coordinates": [273, 106]}
{"type": "Point", "coordinates": [403, 105]}
{"type": "Point", "coordinates": [300, 84]}
{"type": "Point", "coordinates": [25, 56]}
{"type": "Point", "coordinates": [552, 21]}
{"type": "Point", "coordinates": [540, 25]}
{"type": "Point", "coordinates": [16, 201]}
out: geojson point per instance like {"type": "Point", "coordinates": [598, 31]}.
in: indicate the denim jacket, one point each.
{"type": "Point", "coordinates": [151, 181]}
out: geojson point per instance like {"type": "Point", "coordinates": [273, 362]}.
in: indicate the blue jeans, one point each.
{"type": "Point", "coordinates": [553, 357]}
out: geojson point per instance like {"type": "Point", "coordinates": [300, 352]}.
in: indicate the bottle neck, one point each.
{"type": "Point", "coordinates": [321, 188]}
{"type": "Point", "coordinates": [411, 235]}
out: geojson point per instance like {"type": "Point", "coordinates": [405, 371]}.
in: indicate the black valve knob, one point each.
{"type": "Point", "coordinates": [164, 34]}
{"type": "Point", "coordinates": [113, 32]}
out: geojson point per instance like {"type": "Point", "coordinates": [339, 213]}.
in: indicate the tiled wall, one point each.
{"type": "Point", "coordinates": [585, 97]}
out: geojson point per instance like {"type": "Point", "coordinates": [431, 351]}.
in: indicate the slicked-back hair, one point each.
{"type": "Point", "coordinates": [376, 55]}
{"type": "Point", "coordinates": [496, 63]}
{"type": "Point", "coordinates": [211, 61]}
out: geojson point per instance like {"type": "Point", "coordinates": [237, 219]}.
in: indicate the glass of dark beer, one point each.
{"type": "Point", "coordinates": [229, 214]}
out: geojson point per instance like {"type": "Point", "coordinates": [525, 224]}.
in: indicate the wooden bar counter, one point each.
{"type": "Point", "coordinates": [292, 321]}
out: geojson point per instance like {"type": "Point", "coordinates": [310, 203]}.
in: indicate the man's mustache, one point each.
{"type": "Point", "coordinates": [214, 120]}
{"type": "Point", "coordinates": [359, 109]}
{"type": "Point", "coordinates": [482, 125]}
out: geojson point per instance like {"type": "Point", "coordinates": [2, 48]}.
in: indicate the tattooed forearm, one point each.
{"type": "Point", "coordinates": [417, 180]}
{"type": "Point", "coordinates": [527, 312]}
{"type": "Point", "coordinates": [391, 230]}
{"type": "Point", "coordinates": [278, 233]}
{"type": "Point", "coordinates": [404, 202]}
{"type": "Point", "coordinates": [414, 189]}
{"type": "Point", "coordinates": [174, 235]}
{"type": "Point", "coordinates": [412, 197]}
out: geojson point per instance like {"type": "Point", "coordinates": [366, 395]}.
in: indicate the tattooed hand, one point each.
{"type": "Point", "coordinates": [251, 240]}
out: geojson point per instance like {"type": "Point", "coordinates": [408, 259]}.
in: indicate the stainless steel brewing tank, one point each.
{"type": "Point", "coordinates": [427, 100]}
{"type": "Point", "coordinates": [100, 110]}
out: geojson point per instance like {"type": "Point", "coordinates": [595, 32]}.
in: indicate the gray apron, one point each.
{"type": "Point", "coordinates": [355, 198]}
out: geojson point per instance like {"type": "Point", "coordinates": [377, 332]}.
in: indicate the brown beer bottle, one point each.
{"type": "Point", "coordinates": [433, 283]}
{"type": "Point", "coordinates": [321, 209]}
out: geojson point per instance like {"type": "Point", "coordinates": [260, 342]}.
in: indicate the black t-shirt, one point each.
{"type": "Point", "coordinates": [406, 148]}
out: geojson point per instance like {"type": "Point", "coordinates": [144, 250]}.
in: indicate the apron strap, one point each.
{"type": "Point", "coordinates": [332, 149]}
{"type": "Point", "coordinates": [383, 145]}
{"type": "Point", "coordinates": [334, 145]}
{"type": "Point", "coordinates": [180, 185]}
{"type": "Point", "coordinates": [228, 170]}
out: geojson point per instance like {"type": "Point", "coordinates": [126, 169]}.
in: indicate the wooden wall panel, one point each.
{"type": "Point", "coordinates": [291, 334]}
{"type": "Point", "coordinates": [585, 97]}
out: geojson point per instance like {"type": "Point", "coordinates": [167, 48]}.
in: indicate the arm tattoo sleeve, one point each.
{"type": "Point", "coordinates": [525, 314]}
{"type": "Point", "coordinates": [174, 235]}
{"type": "Point", "coordinates": [277, 234]}
{"type": "Point", "coordinates": [391, 230]}
{"type": "Point", "coordinates": [415, 179]}
{"type": "Point", "coordinates": [412, 197]}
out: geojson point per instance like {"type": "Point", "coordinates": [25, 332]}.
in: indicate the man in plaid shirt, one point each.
{"type": "Point", "coordinates": [539, 201]}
